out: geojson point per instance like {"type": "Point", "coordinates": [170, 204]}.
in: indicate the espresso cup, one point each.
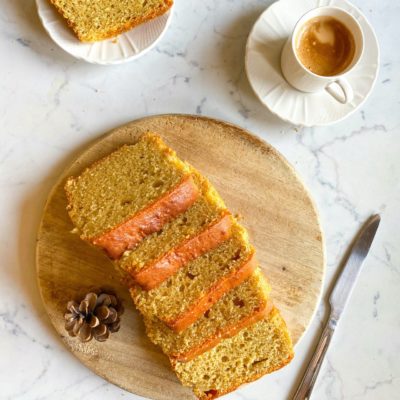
{"type": "Point", "coordinates": [305, 80]}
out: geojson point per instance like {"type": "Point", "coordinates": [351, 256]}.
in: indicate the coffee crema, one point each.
{"type": "Point", "coordinates": [325, 46]}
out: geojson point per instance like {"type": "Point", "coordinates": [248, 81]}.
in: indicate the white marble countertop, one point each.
{"type": "Point", "coordinates": [52, 105]}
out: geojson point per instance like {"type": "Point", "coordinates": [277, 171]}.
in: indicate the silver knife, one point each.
{"type": "Point", "coordinates": [337, 300]}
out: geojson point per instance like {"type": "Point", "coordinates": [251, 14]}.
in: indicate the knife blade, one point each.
{"type": "Point", "coordinates": [352, 266]}
{"type": "Point", "coordinates": [338, 298]}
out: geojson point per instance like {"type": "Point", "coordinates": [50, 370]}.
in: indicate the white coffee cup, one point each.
{"type": "Point", "coordinates": [302, 78]}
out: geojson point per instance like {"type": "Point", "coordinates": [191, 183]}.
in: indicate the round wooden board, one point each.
{"type": "Point", "coordinates": [255, 181]}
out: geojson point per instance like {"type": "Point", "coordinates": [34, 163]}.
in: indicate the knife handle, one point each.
{"type": "Point", "coordinates": [307, 383]}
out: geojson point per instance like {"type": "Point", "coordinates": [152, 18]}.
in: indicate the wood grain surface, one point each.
{"type": "Point", "coordinates": [255, 181]}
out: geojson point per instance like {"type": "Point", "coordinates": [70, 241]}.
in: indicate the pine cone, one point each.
{"type": "Point", "coordinates": [95, 317]}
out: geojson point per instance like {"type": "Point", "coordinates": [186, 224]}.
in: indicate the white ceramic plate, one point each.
{"type": "Point", "coordinates": [263, 53]}
{"type": "Point", "coordinates": [125, 47]}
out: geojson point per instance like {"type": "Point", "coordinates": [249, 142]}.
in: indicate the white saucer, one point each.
{"type": "Point", "coordinates": [125, 47]}
{"type": "Point", "coordinates": [263, 52]}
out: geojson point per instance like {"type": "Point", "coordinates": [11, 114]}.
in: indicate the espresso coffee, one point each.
{"type": "Point", "coordinates": [325, 46]}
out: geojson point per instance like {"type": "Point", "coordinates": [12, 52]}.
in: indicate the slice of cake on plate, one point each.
{"type": "Point", "coordinates": [93, 20]}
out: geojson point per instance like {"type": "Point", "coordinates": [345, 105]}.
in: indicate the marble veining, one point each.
{"type": "Point", "coordinates": [52, 105]}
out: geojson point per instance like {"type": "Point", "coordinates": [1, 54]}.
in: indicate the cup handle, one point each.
{"type": "Point", "coordinates": [346, 94]}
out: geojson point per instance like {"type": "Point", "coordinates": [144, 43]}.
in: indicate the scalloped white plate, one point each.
{"type": "Point", "coordinates": [263, 53]}
{"type": "Point", "coordinates": [124, 47]}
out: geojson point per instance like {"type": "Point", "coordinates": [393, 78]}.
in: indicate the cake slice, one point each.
{"type": "Point", "coordinates": [93, 20]}
{"type": "Point", "coordinates": [201, 228]}
{"type": "Point", "coordinates": [186, 295]}
{"type": "Point", "coordinates": [238, 308]}
{"type": "Point", "coordinates": [130, 194]}
{"type": "Point", "coordinates": [257, 350]}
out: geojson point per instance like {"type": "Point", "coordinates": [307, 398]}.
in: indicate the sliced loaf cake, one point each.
{"type": "Point", "coordinates": [202, 227]}
{"type": "Point", "coordinates": [191, 269]}
{"type": "Point", "coordinates": [193, 289]}
{"type": "Point", "coordinates": [238, 308]}
{"type": "Point", "coordinates": [257, 350]}
{"type": "Point", "coordinates": [130, 194]}
{"type": "Point", "coordinates": [93, 20]}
